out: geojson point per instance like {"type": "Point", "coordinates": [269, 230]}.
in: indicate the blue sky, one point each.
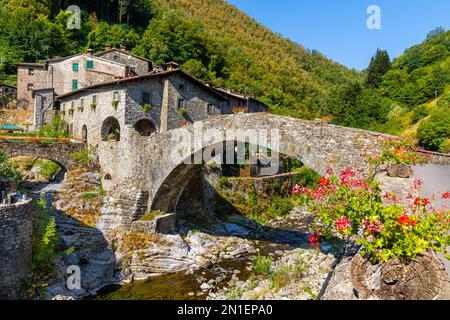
{"type": "Point", "coordinates": [337, 28]}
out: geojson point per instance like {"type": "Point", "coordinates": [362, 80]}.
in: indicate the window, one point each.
{"type": "Point", "coordinates": [75, 67]}
{"type": "Point", "coordinates": [30, 86]}
{"type": "Point", "coordinates": [63, 107]}
{"type": "Point", "coordinates": [133, 69]}
{"type": "Point", "coordinates": [116, 96]}
{"type": "Point", "coordinates": [181, 103]}
{"type": "Point", "coordinates": [44, 102]}
{"type": "Point", "coordinates": [74, 84]}
{"type": "Point", "coordinates": [94, 99]}
{"type": "Point", "coordinates": [90, 64]}
{"type": "Point", "coordinates": [72, 105]}
{"type": "Point", "coordinates": [82, 103]}
{"type": "Point", "coordinates": [181, 86]}
{"type": "Point", "coordinates": [30, 72]}
{"type": "Point", "coordinates": [146, 98]}
{"type": "Point", "coordinates": [210, 108]}
{"type": "Point", "coordinates": [116, 58]}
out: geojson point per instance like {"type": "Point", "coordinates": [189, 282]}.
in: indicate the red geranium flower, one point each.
{"type": "Point", "coordinates": [446, 195]}
{"type": "Point", "coordinates": [314, 239]}
{"type": "Point", "coordinates": [342, 224]}
{"type": "Point", "coordinates": [406, 220]}
{"type": "Point", "coordinates": [295, 189]}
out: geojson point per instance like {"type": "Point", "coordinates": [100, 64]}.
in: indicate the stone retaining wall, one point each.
{"type": "Point", "coordinates": [16, 230]}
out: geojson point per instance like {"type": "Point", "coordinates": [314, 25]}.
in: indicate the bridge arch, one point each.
{"type": "Point", "coordinates": [58, 152]}
{"type": "Point", "coordinates": [316, 144]}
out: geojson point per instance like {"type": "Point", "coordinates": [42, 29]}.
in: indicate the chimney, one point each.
{"type": "Point", "coordinates": [171, 66]}
{"type": "Point", "coordinates": [90, 51]}
{"type": "Point", "coordinates": [123, 48]}
{"type": "Point", "coordinates": [107, 47]}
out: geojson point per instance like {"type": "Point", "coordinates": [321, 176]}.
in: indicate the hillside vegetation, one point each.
{"type": "Point", "coordinates": [216, 42]}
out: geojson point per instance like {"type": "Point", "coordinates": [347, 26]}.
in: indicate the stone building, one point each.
{"type": "Point", "coordinates": [238, 100]}
{"type": "Point", "coordinates": [7, 94]}
{"type": "Point", "coordinates": [137, 64]}
{"type": "Point", "coordinates": [155, 102]}
{"type": "Point", "coordinates": [30, 76]}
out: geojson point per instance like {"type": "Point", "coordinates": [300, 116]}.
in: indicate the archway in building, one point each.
{"type": "Point", "coordinates": [145, 127]}
{"type": "Point", "coordinates": [110, 129]}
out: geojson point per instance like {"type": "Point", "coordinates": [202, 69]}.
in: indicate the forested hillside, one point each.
{"type": "Point", "coordinates": [216, 42]}
{"type": "Point", "coordinates": [209, 38]}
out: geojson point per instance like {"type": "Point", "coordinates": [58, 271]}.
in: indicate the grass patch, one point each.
{"type": "Point", "coordinates": [262, 265]}
{"type": "Point", "coordinates": [88, 196]}
{"type": "Point", "coordinates": [150, 216]}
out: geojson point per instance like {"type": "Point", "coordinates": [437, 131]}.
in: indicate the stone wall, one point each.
{"type": "Point", "coordinates": [437, 158]}
{"type": "Point", "coordinates": [43, 107]}
{"type": "Point", "coordinates": [16, 229]}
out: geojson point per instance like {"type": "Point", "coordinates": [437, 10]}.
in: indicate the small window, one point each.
{"type": "Point", "coordinates": [116, 96]}
{"type": "Point", "coordinates": [82, 103]}
{"type": "Point", "coordinates": [72, 105]}
{"type": "Point", "coordinates": [63, 107]}
{"type": "Point", "coordinates": [94, 99]}
{"type": "Point", "coordinates": [30, 86]}
{"type": "Point", "coordinates": [133, 69]}
{"type": "Point", "coordinates": [75, 67]}
{"type": "Point", "coordinates": [71, 128]}
{"type": "Point", "coordinates": [90, 64]}
{"type": "Point", "coordinates": [181, 86]}
{"type": "Point", "coordinates": [30, 72]}
{"type": "Point", "coordinates": [181, 104]}
{"type": "Point", "coordinates": [210, 108]}
{"type": "Point", "coordinates": [44, 102]}
{"type": "Point", "coordinates": [74, 84]}
{"type": "Point", "coordinates": [146, 98]}
{"type": "Point", "coordinates": [116, 58]}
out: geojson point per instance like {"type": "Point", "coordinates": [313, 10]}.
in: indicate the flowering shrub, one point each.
{"type": "Point", "coordinates": [239, 109]}
{"type": "Point", "coordinates": [398, 151]}
{"type": "Point", "coordinates": [184, 122]}
{"type": "Point", "coordinates": [350, 207]}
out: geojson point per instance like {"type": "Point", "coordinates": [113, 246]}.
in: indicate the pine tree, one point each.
{"type": "Point", "coordinates": [379, 66]}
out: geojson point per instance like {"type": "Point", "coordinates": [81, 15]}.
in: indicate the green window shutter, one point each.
{"type": "Point", "coordinates": [74, 84]}
{"type": "Point", "coordinates": [90, 64]}
{"type": "Point", "coordinates": [75, 67]}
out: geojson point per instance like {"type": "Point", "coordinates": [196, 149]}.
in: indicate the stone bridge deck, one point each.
{"type": "Point", "coordinates": [60, 152]}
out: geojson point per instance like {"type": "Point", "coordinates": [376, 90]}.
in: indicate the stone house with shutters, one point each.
{"type": "Point", "coordinates": [137, 64]}
{"type": "Point", "coordinates": [138, 106]}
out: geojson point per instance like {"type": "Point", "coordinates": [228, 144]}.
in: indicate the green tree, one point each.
{"type": "Point", "coordinates": [379, 66]}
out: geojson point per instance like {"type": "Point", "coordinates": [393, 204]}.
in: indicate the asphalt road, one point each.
{"type": "Point", "coordinates": [436, 179]}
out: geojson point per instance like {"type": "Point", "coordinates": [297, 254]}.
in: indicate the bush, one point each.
{"type": "Point", "coordinates": [6, 169]}
{"type": "Point", "coordinates": [351, 208]}
{"type": "Point", "coordinates": [435, 131]}
{"type": "Point", "coordinates": [48, 168]}
{"type": "Point", "coordinates": [280, 206]}
{"type": "Point", "coordinates": [44, 253]}
{"type": "Point", "coordinates": [84, 157]}
{"type": "Point", "coordinates": [57, 128]}
{"type": "Point", "coordinates": [419, 113]}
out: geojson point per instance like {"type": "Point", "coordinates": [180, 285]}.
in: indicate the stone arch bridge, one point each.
{"type": "Point", "coordinates": [58, 152]}
{"type": "Point", "coordinates": [143, 173]}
